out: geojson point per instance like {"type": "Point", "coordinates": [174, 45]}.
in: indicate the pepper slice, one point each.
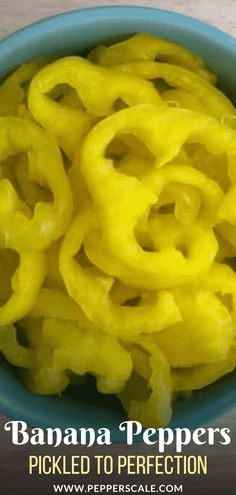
{"type": "Point", "coordinates": [12, 93]}
{"type": "Point", "coordinates": [91, 289]}
{"type": "Point", "coordinates": [89, 82]}
{"type": "Point", "coordinates": [179, 254]}
{"type": "Point", "coordinates": [205, 334]}
{"type": "Point", "coordinates": [199, 377]}
{"type": "Point", "coordinates": [22, 228]}
{"type": "Point", "coordinates": [210, 100]}
{"type": "Point", "coordinates": [23, 287]}
{"type": "Point", "coordinates": [124, 201]}
{"type": "Point", "coordinates": [144, 47]}
{"type": "Point", "coordinates": [77, 351]}
{"type": "Point", "coordinates": [148, 400]}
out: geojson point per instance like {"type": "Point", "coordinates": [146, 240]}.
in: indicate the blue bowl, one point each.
{"type": "Point", "coordinates": [77, 32]}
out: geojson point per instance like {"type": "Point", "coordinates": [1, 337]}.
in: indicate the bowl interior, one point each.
{"type": "Point", "coordinates": [76, 33]}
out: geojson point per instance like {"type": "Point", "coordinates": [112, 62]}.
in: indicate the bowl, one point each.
{"type": "Point", "coordinates": [77, 32]}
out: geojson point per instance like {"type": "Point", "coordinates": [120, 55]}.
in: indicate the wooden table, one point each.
{"type": "Point", "coordinates": [221, 13]}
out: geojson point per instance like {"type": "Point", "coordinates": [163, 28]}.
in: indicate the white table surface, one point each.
{"type": "Point", "coordinates": [15, 14]}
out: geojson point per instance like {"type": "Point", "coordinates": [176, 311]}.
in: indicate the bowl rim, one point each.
{"type": "Point", "coordinates": [63, 19]}
{"type": "Point", "coordinates": [86, 15]}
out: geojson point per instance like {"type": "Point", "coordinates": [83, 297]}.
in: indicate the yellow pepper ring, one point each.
{"type": "Point", "coordinates": [205, 334]}
{"type": "Point", "coordinates": [91, 290]}
{"type": "Point", "coordinates": [214, 101]}
{"type": "Point", "coordinates": [53, 303]}
{"type": "Point", "coordinates": [122, 201]}
{"type": "Point", "coordinates": [31, 191]}
{"type": "Point", "coordinates": [197, 377]}
{"type": "Point", "coordinates": [26, 283]}
{"type": "Point", "coordinates": [11, 92]}
{"type": "Point", "coordinates": [15, 353]}
{"type": "Point", "coordinates": [88, 352]}
{"type": "Point", "coordinates": [210, 192]}
{"type": "Point", "coordinates": [49, 219]}
{"type": "Point", "coordinates": [154, 406]}
{"type": "Point", "coordinates": [188, 190]}
{"type": "Point", "coordinates": [221, 279]}
{"type": "Point", "coordinates": [143, 47]}
{"type": "Point", "coordinates": [88, 80]}
{"type": "Point", "coordinates": [180, 254]}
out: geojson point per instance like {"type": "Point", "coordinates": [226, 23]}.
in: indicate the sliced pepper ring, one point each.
{"type": "Point", "coordinates": [205, 335]}
{"type": "Point", "coordinates": [11, 92]}
{"type": "Point", "coordinates": [214, 102]}
{"type": "Point", "coordinates": [25, 283]}
{"type": "Point", "coordinates": [179, 254]}
{"type": "Point", "coordinates": [143, 47]}
{"type": "Point", "coordinates": [91, 288]}
{"type": "Point", "coordinates": [148, 400]}
{"type": "Point", "coordinates": [89, 81]}
{"type": "Point", "coordinates": [204, 194]}
{"type": "Point", "coordinates": [221, 279]}
{"type": "Point", "coordinates": [88, 352]}
{"type": "Point", "coordinates": [50, 219]}
{"type": "Point", "coordinates": [197, 377]}
{"type": "Point", "coordinates": [123, 201]}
